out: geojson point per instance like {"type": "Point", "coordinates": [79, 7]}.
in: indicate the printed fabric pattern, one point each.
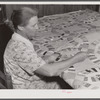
{"type": "Point", "coordinates": [21, 61]}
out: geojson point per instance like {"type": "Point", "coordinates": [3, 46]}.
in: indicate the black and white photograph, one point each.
{"type": "Point", "coordinates": [49, 46]}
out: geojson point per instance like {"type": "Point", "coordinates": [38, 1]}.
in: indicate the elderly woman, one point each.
{"type": "Point", "coordinates": [21, 61]}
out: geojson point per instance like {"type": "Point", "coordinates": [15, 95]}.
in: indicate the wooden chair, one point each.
{"type": "Point", "coordinates": [5, 81]}
{"type": "Point", "coordinates": [5, 35]}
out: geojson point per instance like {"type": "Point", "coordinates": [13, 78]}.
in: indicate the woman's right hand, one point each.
{"type": "Point", "coordinates": [81, 56]}
{"type": "Point", "coordinates": [51, 58]}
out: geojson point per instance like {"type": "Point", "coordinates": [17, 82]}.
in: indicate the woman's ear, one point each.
{"type": "Point", "coordinates": [20, 28]}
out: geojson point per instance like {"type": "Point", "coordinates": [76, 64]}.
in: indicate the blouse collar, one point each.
{"type": "Point", "coordinates": [18, 37]}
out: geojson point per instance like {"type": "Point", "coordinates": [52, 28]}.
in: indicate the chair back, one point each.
{"type": "Point", "coordinates": [5, 35]}
{"type": "Point", "coordinates": [5, 81]}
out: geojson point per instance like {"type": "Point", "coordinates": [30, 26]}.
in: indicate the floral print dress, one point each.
{"type": "Point", "coordinates": [21, 61]}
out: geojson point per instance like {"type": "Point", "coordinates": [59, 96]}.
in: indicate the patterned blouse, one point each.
{"type": "Point", "coordinates": [21, 61]}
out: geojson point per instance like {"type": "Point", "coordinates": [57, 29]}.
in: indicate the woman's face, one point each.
{"type": "Point", "coordinates": [31, 27]}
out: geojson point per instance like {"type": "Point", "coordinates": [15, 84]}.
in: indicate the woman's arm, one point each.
{"type": "Point", "coordinates": [54, 69]}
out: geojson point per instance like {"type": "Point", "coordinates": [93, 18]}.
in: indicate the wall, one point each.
{"type": "Point", "coordinates": [2, 13]}
{"type": "Point", "coordinates": [50, 9]}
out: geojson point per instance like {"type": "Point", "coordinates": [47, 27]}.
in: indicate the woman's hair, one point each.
{"type": "Point", "coordinates": [22, 16]}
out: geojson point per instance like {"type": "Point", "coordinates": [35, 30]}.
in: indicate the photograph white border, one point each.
{"type": "Point", "coordinates": [31, 94]}
{"type": "Point", "coordinates": [52, 2]}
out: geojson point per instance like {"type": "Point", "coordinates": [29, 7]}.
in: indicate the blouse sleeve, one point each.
{"type": "Point", "coordinates": [27, 58]}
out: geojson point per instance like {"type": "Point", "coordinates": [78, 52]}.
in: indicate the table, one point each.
{"type": "Point", "coordinates": [68, 34]}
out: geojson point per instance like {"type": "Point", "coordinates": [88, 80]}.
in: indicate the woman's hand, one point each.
{"type": "Point", "coordinates": [81, 56]}
{"type": "Point", "coordinates": [51, 58]}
